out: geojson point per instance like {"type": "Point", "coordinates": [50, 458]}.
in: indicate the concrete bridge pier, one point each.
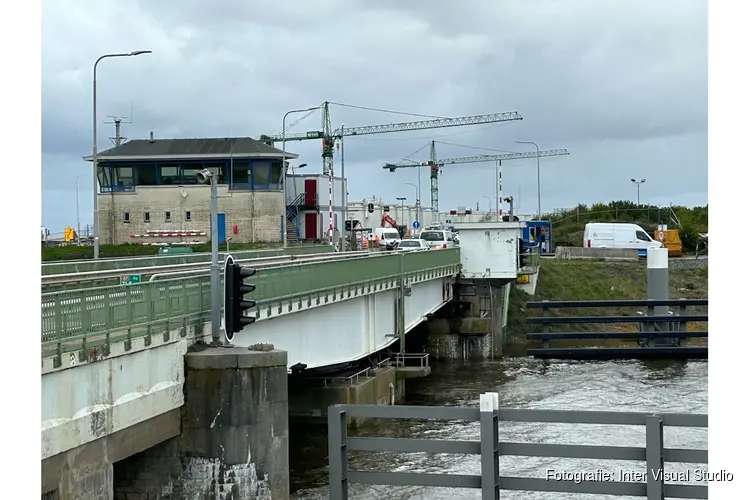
{"type": "Point", "coordinates": [234, 437]}
{"type": "Point", "coordinates": [472, 326]}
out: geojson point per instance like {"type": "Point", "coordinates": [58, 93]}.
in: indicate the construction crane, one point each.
{"type": "Point", "coordinates": [436, 165]}
{"type": "Point", "coordinates": [328, 136]}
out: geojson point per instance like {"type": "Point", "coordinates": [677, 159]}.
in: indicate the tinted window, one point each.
{"type": "Point", "coordinates": [391, 235]}
{"type": "Point", "coordinates": [409, 243]}
{"type": "Point", "coordinates": [642, 236]}
{"type": "Point", "coordinates": [432, 236]}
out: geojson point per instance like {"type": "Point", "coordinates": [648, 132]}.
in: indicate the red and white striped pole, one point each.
{"type": "Point", "coordinates": [330, 200]}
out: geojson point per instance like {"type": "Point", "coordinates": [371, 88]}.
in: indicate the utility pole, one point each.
{"type": "Point", "coordinates": [538, 180]}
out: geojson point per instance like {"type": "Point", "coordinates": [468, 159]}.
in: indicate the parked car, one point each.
{"type": "Point", "coordinates": [437, 239]}
{"type": "Point", "coordinates": [412, 245]}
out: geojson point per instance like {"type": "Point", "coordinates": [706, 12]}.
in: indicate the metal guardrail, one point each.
{"type": "Point", "coordinates": [91, 279]}
{"type": "Point", "coordinates": [73, 319]}
{"type": "Point", "coordinates": [83, 266]}
{"type": "Point", "coordinates": [651, 482]}
{"type": "Point", "coordinates": [660, 335]}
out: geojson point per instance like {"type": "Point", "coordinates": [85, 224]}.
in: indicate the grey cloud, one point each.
{"type": "Point", "coordinates": [608, 80]}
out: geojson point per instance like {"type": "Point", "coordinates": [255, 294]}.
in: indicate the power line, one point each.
{"type": "Point", "coordinates": [380, 110]}
{"type": "Point", "coordinates": [295, 122]}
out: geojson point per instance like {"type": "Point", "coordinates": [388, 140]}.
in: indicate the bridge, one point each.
{"type": "Point", "coordinates": [135, 352]}
{"type": "Point", "coordinates": [319, 310]}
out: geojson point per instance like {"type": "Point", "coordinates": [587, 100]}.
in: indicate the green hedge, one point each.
{"type": "Point", "coordinates": [50, 254]}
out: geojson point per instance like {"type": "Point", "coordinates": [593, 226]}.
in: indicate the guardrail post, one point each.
{"type": "Point", "coordinates": [655, 457]}
{"type": "Point", "coordinates": [681, 325]}
{"type": "Point", "coordinates": [490, 445]}
{"type": "Point", "coordinates": [337, 454]}
{"type": "Point", "coordinates": [545, 326]}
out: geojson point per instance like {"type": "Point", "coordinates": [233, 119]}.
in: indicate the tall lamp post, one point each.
{"type": "Point", "coordinates": [93, 148]}
{"type": "Point", "coordinates": [489, 203]}
{"type": "Point", "coordinates": [78, 213]}
{"type": "Point", "coordinates": [538, 180]}
{"type": "Point", "coordinates": [402, 199]}
{"type": "Point", "coordinates": [283, 166]}
{"type": "Point", "coordinates": [416, 196]}
{"type": "Point", "coordinates": [638, 189]}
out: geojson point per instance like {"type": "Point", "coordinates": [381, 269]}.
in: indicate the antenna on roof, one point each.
{"type": "Point", "coordinates": [118, 140]}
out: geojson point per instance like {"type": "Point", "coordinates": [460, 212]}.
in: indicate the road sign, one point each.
{"type": "Point", "coordinates": [415, 224]}
{"type": "Point", "coordinates": [130, 279]}
{"type": "Point", "coordinates": [661, 235]}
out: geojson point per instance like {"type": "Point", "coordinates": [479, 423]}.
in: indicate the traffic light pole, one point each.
{"type": "Point", "coordinates": [215, 289]}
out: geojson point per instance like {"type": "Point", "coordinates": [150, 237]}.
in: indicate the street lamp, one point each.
{"type": "Point", "coordinates": [402, 199]}
{"type": "Point", "coordinates": [416, 195]}
{"type": "Point", "coordinates": [78, 213]}
{"type": "Point", "coordinates": [538, 180]}
{"type": "Point", "coordinates": [283, 165]}
{"type": "Point", "coordinates": [489, 203]}
{"type": "Point", "coordinates": [94, 151]}
{"type": "Point", "coordinates": [638, 189]}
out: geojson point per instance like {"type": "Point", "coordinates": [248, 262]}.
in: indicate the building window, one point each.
{"type": "Point", "coordinates": [125, 177]}
{"type": "Point", "coordinates": [188, 216]}
{"type": "Point", "coordinates": [147, 217]}
{"type": "Point", "coordinates": [126, 217]}
{"type": "Point", "coordinates": [170, 174]}
{"type": "Point", "coordinates": [167, 216]}
{"type": "Point", "coordinates": [145, 175]}
{"type": "Point", "coordinates": [240, 174]}
{"type": "Point", "coordinates": [261, 174]}
{"type": "Point", "coordinates": [276, 174]}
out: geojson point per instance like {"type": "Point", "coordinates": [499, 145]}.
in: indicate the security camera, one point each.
{"type": "Point", "coordinates": [204, 176]}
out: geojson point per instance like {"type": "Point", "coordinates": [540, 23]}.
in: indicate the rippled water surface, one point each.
{"type": "Point", "coordinates": [521, 383]}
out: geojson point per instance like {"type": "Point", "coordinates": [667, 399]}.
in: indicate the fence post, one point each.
{"type": "Point", "coordinates": [490, 446]}
{"type": "Point", "coordinates": [655, 457]}
{"type": "Point", "coordinates": [545, 326]}
{"type": "Point", "coordinates": [337, 454]}
{"type": "Point", "coordinates": [681, 325]}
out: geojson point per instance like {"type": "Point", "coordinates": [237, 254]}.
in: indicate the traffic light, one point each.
{"type": "Point", "coordinates": [370, 207]}
{"type": "Point", "coordinates": [235, 304]}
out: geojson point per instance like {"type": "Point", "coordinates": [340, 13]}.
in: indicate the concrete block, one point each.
{"type": "Point", "coordinates": [212, 358]}
{"type": "Point", "coordinates": [261, 359]}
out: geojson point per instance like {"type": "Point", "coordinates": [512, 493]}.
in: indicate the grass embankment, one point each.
{"type": "Point", "coordinates": [590, 280]}
{"type": "Point", "coordinates": [50, 254]}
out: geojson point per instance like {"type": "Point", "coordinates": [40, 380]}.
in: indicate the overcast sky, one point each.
{"type": "Point", "coordinates": [622, 85]}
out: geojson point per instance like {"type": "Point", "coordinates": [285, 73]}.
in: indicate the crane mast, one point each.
{"type": "Point", "coordinates": [328, 136]}
{"type": "Point", "coordinates": [435, 164]}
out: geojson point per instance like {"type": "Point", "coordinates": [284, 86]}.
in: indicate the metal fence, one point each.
{"type": "Point", "coordinates": [84, 266]}
{"type": "Point", "coordinates": [650, 484]}
{"type": "Point", "coordinates": [528, 260]}
{"type": "Point", "coordinates": [658, 335]}
{"type": "Point", "coordinates": [75, 318]}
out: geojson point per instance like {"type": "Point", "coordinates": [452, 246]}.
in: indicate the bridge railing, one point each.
{"type": "Point", "coordinates": [73, 320]}
{"type": "Point", "coordinates": [84, 266]}
{"type": "Point", "coordinates": [648, 482]}
{"type": "Point", "coordinates": [657, 334]}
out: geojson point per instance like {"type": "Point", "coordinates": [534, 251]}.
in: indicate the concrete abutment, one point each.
{"type": "Point", "coordinates": [234, 436]}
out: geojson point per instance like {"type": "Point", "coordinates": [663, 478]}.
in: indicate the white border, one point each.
{"type": "Point", "coordinates": [728, 131]}
{"type": "Point", "coordinates": [20, 35]}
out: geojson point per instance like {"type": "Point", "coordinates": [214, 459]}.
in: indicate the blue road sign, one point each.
{"type": "Point", "coordinates": [415, 224]}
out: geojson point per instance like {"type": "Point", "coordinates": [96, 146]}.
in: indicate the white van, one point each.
{"type": "Point", "coordinates": [387, 236]}
{"type": "Point", "coordinates": [437, 239]}
{"type": "Point", "coordinates": [618, 235]}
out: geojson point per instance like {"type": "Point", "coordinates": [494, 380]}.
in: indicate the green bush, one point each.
{"type": "Point", "coordinates": [568, 225]}
{"type": "Point", "coordinates": [50, 254]}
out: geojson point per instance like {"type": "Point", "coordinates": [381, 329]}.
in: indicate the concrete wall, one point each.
{"type": "Point", "coordinates": [308, 400]}
{"type": "Point", "coordinates": [473, 328]}
{"type": "Point", "coordinates": [117, 406]}
{"type": "Point", "coordinates": [256, 213]}
{"type": "Point", "coordinates": [577, 253]}
{"type": "Point", "coordinates": [235, 433]}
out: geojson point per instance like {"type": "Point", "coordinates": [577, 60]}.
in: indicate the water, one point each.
{"type": "Point", "coordinates": [521, 383]}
